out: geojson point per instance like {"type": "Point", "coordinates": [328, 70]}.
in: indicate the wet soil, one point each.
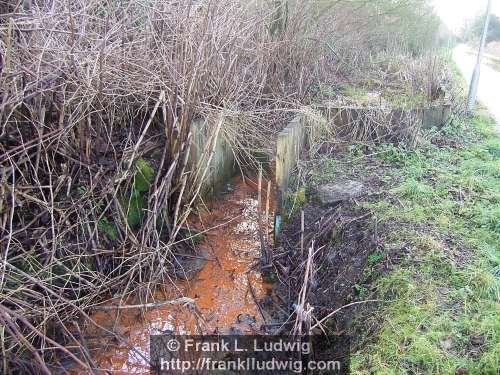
{"type": "Point", "coordinates": [343, 240]}
{"type": "Point", "coordinates": [228, 290]}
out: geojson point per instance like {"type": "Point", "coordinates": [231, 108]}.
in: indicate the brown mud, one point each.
{"type": "Point", "coordinates": [228, 290]}
{"type": "Point", "coordinates": [343, 240]}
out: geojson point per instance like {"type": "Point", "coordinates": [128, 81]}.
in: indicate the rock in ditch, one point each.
{"type": "Point", "coordinates": [339, 191]}
{"type": "Point", "coordinates": [189, 266]}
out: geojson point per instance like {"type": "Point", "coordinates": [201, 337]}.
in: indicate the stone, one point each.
{"type": "Point", "coordinates": [188, 267]}
{"type": "Point", "coordinates": [339, 191]}
{"type": "Point", "coordinates": [446, 344]}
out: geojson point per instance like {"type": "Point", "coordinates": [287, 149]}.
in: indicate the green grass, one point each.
{"type": "Point", "coordinates": [439, 218]}
{"type": "Point", "coordinates": [442, 300]}
{"type": "Point", "coordinates": [358, 94]}
{"type": "Point", "coordinates": [398, 98]}
{"type": "Point", "coordinates": [405, 100]}
{"type": "Point", "coordinates": [438, 209]}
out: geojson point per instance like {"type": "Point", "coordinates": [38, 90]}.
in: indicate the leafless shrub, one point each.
{"type": "Point", "coordinates": [92, 94]}
{"type": "Point", "coordinates": [346, 125]}
{"type": "Point", "coordinates": [90, 91]}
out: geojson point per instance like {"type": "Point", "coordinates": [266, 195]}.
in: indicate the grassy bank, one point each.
{"type": "Point", "coordinates": [100, 103]}
{"type": "Point", "coordinates": [436, 262]}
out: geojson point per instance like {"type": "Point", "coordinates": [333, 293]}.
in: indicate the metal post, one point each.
{"type": "Point", "coordinates": [471, 100]}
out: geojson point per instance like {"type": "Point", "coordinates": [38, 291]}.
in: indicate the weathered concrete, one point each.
{"type": "Point", "coordinates": [288, 146]}
{"type": "Point", "coordinates": [435, 115]}
{"type": "Point", "coordinates": [222, 165]}
{"type": "Point", "coordinates": [339, 191]}
{"type": "Point", "coordinates": [309, 126]}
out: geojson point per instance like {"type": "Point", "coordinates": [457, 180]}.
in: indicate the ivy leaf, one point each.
{"type": "Point", "coordinates": [108, 228]}
{"type": "Point", "coordinates": [135, 206]}
{"type": "Point", "coordinates": [144, 176]}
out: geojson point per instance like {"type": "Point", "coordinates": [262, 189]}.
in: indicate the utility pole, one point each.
{"type": "Point", "coordinates": [471, 100]}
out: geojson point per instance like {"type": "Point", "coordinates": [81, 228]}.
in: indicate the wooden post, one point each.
{"type": "Point", "coordinates": [281, 146]}
{"type": "Point", "coordinates": [302, 228]}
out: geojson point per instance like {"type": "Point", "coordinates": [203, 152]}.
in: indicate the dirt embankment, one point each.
{"type": "Point", "coordinates": [342, 240]}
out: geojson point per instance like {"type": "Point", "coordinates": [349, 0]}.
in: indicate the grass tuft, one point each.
{"type": "Point", "coordinates": [439, 212]}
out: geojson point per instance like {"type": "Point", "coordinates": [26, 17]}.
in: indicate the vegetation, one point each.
{"type": "Point", "coordinates": [435, 263]}
{"type": "Point", "coordinates": [98, 99]}
{"type": "Point", "coordinates": [408, 25]}
{"type": "Point", "coordinates": [438, 210]}
{"type": "Point", "coordinates": [475, 29]}
{"type": "Point", "coordinates": [443, 296]}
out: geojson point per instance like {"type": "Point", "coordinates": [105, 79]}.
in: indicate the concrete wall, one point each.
{"type": "Point", "coordinates": [293, 137]}
{"type": "Point", "coordinates": [222, 164]}
{"type": "Point", "coordinates": [434, 115]}
{"type": "Point", "coordinates": [288, 147]}
{"type": "Point", "coordinates": [303, 128]}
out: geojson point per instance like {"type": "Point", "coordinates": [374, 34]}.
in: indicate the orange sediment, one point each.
{"type": "Point", "coordinates": [226, 288]}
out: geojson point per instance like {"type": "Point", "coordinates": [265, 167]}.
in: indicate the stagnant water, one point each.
{"type": "Point", "coordinates": [225, 289]}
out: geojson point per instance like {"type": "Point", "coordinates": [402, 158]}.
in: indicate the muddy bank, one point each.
{"type": "Point", "coordinates": [229, 293]}
{"type": "Point", "coordinates": [343, 240]}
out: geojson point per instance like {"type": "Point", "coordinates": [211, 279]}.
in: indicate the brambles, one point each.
{"type": "Point", "coordinates": [97, 104]}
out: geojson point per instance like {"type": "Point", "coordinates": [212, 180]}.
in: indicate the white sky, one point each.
{"type": "Point", "coordinates": [454, 13]}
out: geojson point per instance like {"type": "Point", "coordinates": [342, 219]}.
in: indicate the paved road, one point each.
{"type": "Point", "coordinates": [489, 81]}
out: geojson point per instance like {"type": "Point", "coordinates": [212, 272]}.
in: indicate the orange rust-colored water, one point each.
{"type": "Point", "coordinates": [224, 288]}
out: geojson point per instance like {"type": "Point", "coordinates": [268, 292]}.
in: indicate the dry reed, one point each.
{"type": "Point", "coordinates": [96, 105]}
